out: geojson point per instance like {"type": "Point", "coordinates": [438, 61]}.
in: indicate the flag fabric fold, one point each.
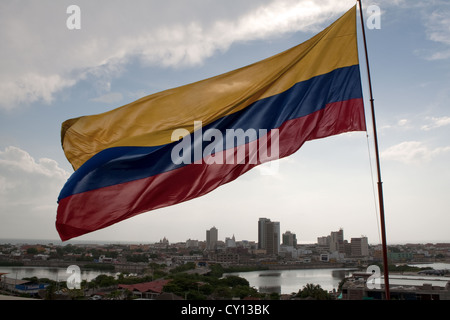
{"type": "Point", "coordinates": [173, 146]}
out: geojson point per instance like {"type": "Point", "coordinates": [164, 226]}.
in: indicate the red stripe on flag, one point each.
{"type": "Point", "coordinates": [96, 209]}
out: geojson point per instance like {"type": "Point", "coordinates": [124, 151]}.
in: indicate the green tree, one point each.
{"type": "Point", "coordinates": [33, 280]}
{"type": "Point", "coordinates": [233, 281]}
{"type": "Point", "coordinates": [195, 286]}
{"type": "Point", "coordinates": [206, 288]}
{"type": "Point", "coordinates": [104, 280]}
{"type": "Point", "coordinates": [313, 291]}
{"type": "Point", "coordinates": [274, 296]}
{"type": "Point", "coordinates": [50, 291]}
{"type": "Point", "coordinates": [216, 270]}
{"type": "Point", "coordinates": [243, 291]}
{"type": "Point", "coordinates": [32, 250]}
{"type": "Point", "coordinates": [223, 293]}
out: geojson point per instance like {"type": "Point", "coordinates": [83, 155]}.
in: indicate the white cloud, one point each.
{"type": "Point", "coordinates": [402, 124]}
{"type": "Point", "coordinates": [30, 88]}
{"type": "Point", "coordinates": [436, 122]}
{"type": "Point", "coordinates": [27, 182]}
{"type": "Point", "coordinates": [439, 26]}
{"type": "Point", "coordinates": [29, 190]}
{"type": "Point", "coordinates": [438, 30]}
{"type": "Point", "coordinates": [40, 56]}
{"type": "Point", "coordinates": [412, 152]}
{"type": "Point", "coordinates": [429, 123]}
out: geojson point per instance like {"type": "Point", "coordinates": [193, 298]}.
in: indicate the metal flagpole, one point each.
{"type": "Point", "coordinates": [380, 184]}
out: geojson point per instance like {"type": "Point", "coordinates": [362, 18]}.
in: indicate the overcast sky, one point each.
{"type": "Point", "coordinates": [129, 49]}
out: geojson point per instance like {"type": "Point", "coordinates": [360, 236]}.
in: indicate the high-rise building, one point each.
{"type": "Point", "coordinates": [269, 236]}
{"type": "Point", "coordinates": [289, 239]}
{"type": "Point", "coordinates": [337, 241]}
{"type": "Point", "coordinates": [262, 232]}
{"type": "Point", "coordinates": [272, 237]}
{"type": "Point", "coordinates": [360, 247]}
{"type": "Point", "coordinates": [212, 236]}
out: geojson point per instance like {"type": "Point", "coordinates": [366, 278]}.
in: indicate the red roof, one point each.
{"type": "Point", "coordinates": [154, 286]}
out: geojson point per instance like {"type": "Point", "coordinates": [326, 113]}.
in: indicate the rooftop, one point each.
{"type": "Point", "coordinates": [153, 286]}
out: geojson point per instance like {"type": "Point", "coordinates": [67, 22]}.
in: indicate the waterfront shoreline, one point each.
{"type": "Point", "coordinates": [138, 267]}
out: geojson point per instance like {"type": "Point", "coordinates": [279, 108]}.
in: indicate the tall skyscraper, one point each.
{"type": "Point", "coordinates": [212, 236]}
{"type": "Point", "coordinates": [262, 232]}
{"type": "Point", "coordinates": [272, 237]}
{"type": "Point", "coordinates": [269, 236]}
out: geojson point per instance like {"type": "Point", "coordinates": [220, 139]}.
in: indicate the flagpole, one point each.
{"type": "Point", "coordinates": [380, 183]}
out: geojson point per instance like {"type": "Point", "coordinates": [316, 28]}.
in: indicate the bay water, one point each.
{"type": "Point", "coordinates": [266, 281]}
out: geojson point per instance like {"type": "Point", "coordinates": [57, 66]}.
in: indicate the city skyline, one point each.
{"type": "Point", "coordinates": [50, 73]}
{"type": "Point", "coordinates": [211, 239]}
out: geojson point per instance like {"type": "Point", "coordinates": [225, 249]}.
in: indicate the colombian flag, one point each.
{"type": "Point", "coordinates": [153, 153]}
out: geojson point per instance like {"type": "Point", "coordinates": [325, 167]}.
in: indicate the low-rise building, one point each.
{"type": "Point", "coordinates": [357, 288]}
{"type": "Point", "coordinates": [146, 290]}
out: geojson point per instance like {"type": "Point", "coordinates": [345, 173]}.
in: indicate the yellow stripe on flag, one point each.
{"type": "Point", "coordinates": [151, 120]}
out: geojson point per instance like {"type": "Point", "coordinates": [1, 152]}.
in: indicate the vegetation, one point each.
{"type": "Point", "coordinates": [312, 291]}
{"type": "Point", "coordinates": [183, 267]}
{"type": "Point", "coordinates": [201, 287]}
{"type": "Point", "coordinates": [192, 286]}
{"type": "Point", "coordinates": [185, 282]}
{"type": "Point", "coordinates": [406, 268]}
{"type": "Point", "coordinates": [32, 250]}
{"type": "Point", "coordinates": [184, 278]}
{"type": "Point", "coordinates": [403, 268]}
